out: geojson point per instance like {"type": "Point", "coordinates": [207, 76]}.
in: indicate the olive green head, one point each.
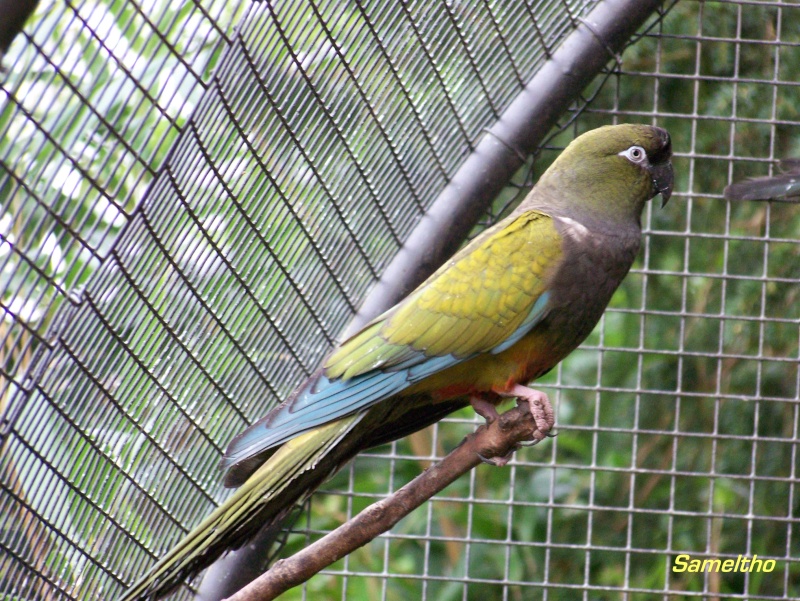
{"type": "Point", "coordinates": [612, 171]}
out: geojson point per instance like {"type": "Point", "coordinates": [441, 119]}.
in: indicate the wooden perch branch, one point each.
{"type": "Point", "coordinates": [496, 440]}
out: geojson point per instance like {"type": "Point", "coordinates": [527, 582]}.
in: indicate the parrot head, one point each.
{"type": "Point", "coordinates": [612, 171]}
{"type": "Point", "coordinates": [655, 164]}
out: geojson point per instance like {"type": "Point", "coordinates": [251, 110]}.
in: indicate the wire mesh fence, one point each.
{"type": "Point", "coordinates": [197, 198]}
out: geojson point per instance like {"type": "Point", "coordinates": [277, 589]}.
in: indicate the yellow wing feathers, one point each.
{"type": "Point", "coordinates": [472, 304]}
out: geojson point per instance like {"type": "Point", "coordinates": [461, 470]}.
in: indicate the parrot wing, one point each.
{"type": "Point", "coordinates": [486, 298]}
{"type": "Point", "coordinates": [783, 186]}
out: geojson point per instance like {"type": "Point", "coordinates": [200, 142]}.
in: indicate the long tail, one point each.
{"type": "Point", "coordinates": [295, 469]}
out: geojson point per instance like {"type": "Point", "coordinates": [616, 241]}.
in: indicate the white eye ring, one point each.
{"type": "Point", "coordinates": [635, 154]}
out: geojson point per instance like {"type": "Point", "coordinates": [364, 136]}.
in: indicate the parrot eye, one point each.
{"type": "Point", "coordinates": [635, 154]}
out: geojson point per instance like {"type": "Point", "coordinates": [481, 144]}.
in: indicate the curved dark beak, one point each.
{"type": "Point", "coordinates": [663, 178]}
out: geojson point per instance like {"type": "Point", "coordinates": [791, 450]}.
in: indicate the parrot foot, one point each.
{"type": "Point", "coordinates": [539, 406]}
{"type": "Point", "coordinates": [485, 409]}
{"type": "Point", "coordinates": [497, 461]}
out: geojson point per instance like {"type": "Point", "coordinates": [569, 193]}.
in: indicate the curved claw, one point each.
{"type": "Point", "coordinates": [496, 461]}
{"type": "Point", "coordinates": [535, 441]}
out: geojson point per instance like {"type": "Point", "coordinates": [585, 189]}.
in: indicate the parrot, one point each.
{"type": "Point", "coordinates": [784, 187]}
{"type": "Point", "coordinates": [503, 311]}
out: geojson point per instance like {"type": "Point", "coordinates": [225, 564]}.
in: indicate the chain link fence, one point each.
{"type": "Point", "coordinates": [198, 197]}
